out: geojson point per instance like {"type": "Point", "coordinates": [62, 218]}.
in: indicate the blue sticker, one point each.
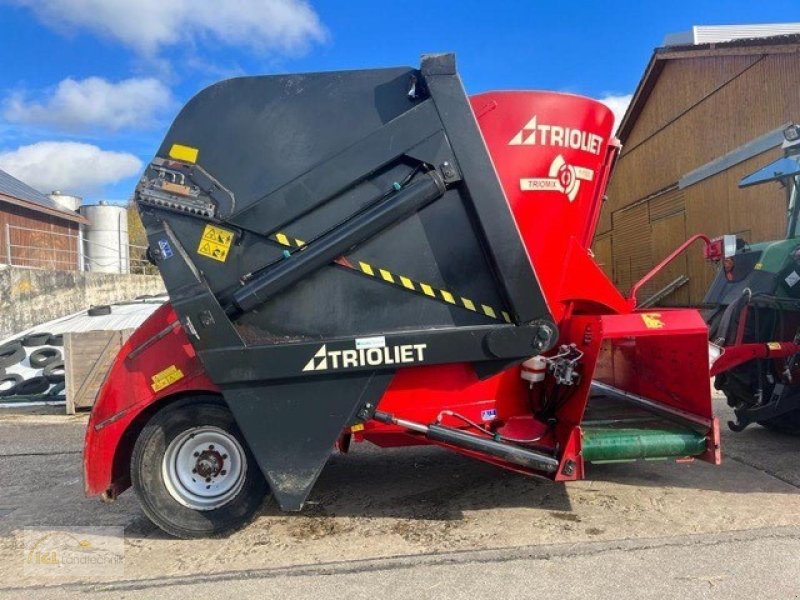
{"type": "Point", "coordinates": [489, 414]}
{"type": "Point", "coordinates": [166, 250]}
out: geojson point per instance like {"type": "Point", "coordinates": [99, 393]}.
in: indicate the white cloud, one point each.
{"type": "Point", "coordinates": [148, 26]}
{"type": "Point", "coordinates": [86, 104]}
{"type": "Point", "coordinates": [70, 166]}
{"type": "Point", "coordinates": [618, 105]}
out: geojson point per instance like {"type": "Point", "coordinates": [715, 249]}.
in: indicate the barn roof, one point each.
{"type": "Point", "coordinates": [14, 191]}
{"type": "Point", "coordinates": [776, 44]}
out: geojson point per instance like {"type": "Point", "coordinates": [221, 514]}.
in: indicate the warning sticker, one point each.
{"type": "Point", "coordinates": [166, 378]}
{"type": "Point", "coordinates": [215, 243]}
{"type": "Point", "coordinates": [652, 320]}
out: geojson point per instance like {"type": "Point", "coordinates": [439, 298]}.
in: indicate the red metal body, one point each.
{"type": "Point", "coordinates": [553, 154]}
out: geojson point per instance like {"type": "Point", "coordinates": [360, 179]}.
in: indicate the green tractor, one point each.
{"type": "Point", "coordinates": [755, 298]}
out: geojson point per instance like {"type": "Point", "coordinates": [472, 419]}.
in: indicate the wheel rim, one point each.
{"type": "Point", "coordinates": [204, 467]}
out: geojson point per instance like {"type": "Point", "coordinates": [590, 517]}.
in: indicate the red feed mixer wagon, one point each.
{"type": "Point", "coordinates": [374, 256]}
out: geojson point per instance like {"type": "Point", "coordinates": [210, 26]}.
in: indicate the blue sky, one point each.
{"type": "Point", "coordinates": [88, 87]}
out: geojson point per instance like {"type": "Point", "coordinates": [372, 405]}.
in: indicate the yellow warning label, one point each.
{"type": "Point", "coordinates": [774, 345]}
{"type": "Point", "coordinates": [357, 427]}
{"type": "Point", "coordinates": [652, 320]}
{"type": "Point", "coordinates": [215, 243]}
{"type": "Point", "coordinates": [166, 378]}
{"type": "Point", "coordinates": [184, 153]}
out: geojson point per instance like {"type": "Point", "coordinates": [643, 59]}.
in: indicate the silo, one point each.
{"type": "Point", "coordinates": [67, 201]}
{"type": "Point", "coordinates": [106, 247]}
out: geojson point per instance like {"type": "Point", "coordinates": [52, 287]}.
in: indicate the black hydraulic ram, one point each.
{"type": "Point", "coordinates": [455, 437]}
{"type": "Point", "coordinates": [335, 243]}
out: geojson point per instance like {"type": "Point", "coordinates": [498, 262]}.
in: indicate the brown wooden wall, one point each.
{"type": "Point", "coordinates": [37, 239]}
{"type": "Point", "coordinates": [699, 109]}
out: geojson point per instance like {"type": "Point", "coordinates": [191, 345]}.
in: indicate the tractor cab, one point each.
{"type": "Point", "coordinates": [771, 267]}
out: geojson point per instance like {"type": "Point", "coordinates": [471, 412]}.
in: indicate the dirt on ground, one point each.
{"type": "Point", "coordinates": [378, 503]}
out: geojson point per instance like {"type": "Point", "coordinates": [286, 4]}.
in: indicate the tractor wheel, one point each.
{"type": "Point", "coordinates": [193, 472]}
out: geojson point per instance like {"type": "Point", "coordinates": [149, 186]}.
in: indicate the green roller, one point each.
{"type": "Point", "coordinates": [611, 443]}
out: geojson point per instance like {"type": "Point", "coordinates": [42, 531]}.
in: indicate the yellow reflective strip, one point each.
{"type": "Point", "coordinates": [366, 268]}
{"type": "Point", "coordinates": [427, 290]}
{"type": "Point", "coordinates": [448, 297]}
{"type": "Point", "coordinates": [299, 242]}
{"type": "Point", "coordinates": [506, 316]}
{"type": "Point", "coordinates": [489, 311]}
{"type": "Point", "coordinates": [407, 283]}
{"type": "Point", "coordinates": [282, 239]}
{"type": "Point", "coordinates": [386, 275]}
{"type": "Point", "coordinates": [184, 153]}
{"type": "Point", "coordinates": [467, 303]}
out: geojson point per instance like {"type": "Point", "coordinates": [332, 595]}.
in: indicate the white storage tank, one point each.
{"type": "Point", "coordinates": [67, 201]}
{"type": "Point", "coordinates": [105, 238]}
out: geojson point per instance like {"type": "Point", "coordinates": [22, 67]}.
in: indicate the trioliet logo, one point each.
{"type": "Point", "coordinates": [539, 134]}
{"type": "Point", "coordinates": [324, 359]}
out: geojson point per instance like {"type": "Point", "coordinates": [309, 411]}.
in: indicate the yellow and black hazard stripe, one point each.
{"type": "Point", "coordinates": [406, 283]}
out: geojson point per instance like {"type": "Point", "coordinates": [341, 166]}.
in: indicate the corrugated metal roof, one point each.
{"type": "Point", "coordinates": [11, 186]}
{"type": "Point", "coordinates": [713, 34]}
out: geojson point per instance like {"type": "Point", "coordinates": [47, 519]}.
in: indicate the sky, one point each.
{"type": "Point", "coordinates": [89, 87]}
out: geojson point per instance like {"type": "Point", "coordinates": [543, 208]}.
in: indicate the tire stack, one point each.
{"type": "Point", "coordinates": [32, 366]}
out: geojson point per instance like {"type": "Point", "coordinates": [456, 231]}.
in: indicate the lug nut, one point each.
{"type": "Point", "coordinates": [196, 454]}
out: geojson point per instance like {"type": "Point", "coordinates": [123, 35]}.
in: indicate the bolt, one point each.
{"type": "Point", "coordinates": [211, 446]}
{"type": "Point", "coordinates": [208, 479]}
{"type": "Point", "coordinates": [224, 456]}
{"type": "Point", "coordinates": [223, 472]}
{"type": "Point", "coordinates": [569, 468]}
{"type": "Point", "coordinates": [196, 454]}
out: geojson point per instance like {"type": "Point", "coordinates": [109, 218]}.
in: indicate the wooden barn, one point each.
{"type": "Point", "coordinates": [708, 110]}
{"type": "Point", "coordinates": [35, 231]}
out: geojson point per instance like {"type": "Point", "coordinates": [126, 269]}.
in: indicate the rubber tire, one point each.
{"type": "Point", "coordinates": [54, 377]}
{"type": "Point", "coordinates": [16, 378]}
{"type": "Point", "coordinates": [35, 339]}
{"type": "Point", "coordinates": [57, 339]}
{"type": "Point", "coordinates": [32, 387]}
{"type": "Point", "coordinates": [99, 311]}
{"type": "Point", "coordinates": [148, 482]}
{"type": "Point", "coordinates": [42, 357]}
{"type": "Point", "coordinates": [11, 354]}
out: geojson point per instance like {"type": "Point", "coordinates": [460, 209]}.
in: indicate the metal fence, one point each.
{"type": "Point", "coordinates": [53, 250]}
